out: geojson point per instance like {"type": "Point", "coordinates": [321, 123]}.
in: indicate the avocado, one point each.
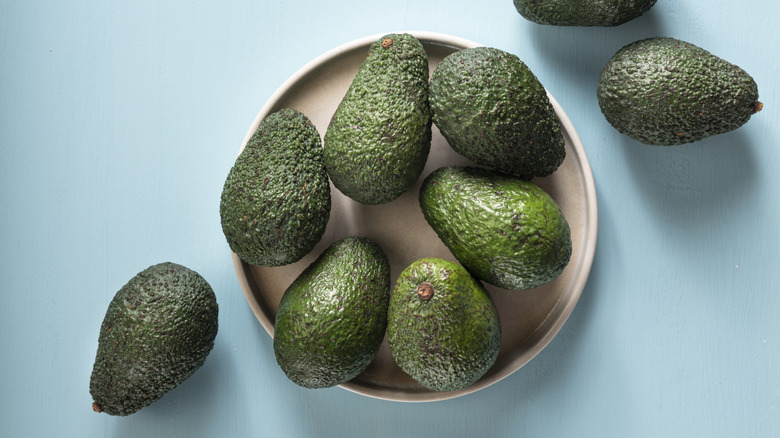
{"type": "Point", "coordinates": [158, 330]}
{"type": "Point", "coordinates": [331, 320]}
{"type": "Point", "coordinates": [379, 137]}
{"type": "Point", "coordinates": [443, 328]}
{"type": "Point", "coordinates": [493, 110]}
{"type": "Point", "coordinates": [275, 202]}
{"type": "Point", "coordinates": [506, 231]}
{"type": "Point", "coordinates": [603, 13]}
{"type": "Point", "coordinates": [663, 91]}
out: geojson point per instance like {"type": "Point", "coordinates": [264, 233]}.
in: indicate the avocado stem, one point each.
{"type": "Point", "coordinates": [425, 291]}
{"type": "Point", "coordinates": [758, 106]}
{"type": "Point", "coordinates": [96, 407]}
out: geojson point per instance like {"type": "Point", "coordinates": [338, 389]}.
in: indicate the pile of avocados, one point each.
{"type": "Point", "coordinates": [441, 324]}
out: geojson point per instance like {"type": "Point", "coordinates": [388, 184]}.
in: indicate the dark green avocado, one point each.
{"type": "Point", "coordinates": [379, 138]}
{"type": "Point", "coordinates": [275, 202]}
{"type": "Point", "coordinates": [443, 328]}
{"type": "Point", "coordinates": [582, 12]}
{"type": "Point", "coordinates": [663, 91]}
{"type": "Point", "coordinates": [506, 231]}
{"type": "Point", "coordinates": [332, 319]}
{"type": "Point", "coordinates": [493, 110]}
{"type": "Point", "coordinates": [158, 330]}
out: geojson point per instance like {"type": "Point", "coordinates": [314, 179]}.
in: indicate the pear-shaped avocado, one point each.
{"type": "Point", "coordinates": [582, 12]}
{"type": "Point", "coordinates": [494, 111]}
{"type": "Point", "coordinates": [275, 202]}
{"type": "Point", "coordinates": [158, 330]}
{"type": "Point", "coordinates": [332, 319]}
{"type": "Point", "coordinates": [663, 91]}
{"type": "Point", "coordinates": [443, 328]}
{"type": "Point", "coordinates": [379, 138]}
{"type": "Point", "coordinates": [506, 231]}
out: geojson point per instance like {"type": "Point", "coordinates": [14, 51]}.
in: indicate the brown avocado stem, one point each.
{"type": "Point", "coordinates": [758, 106]}
{"type": "Point", "coordinates": [96, 407]}
{"type": "Point", "coordinates": [425, 291]}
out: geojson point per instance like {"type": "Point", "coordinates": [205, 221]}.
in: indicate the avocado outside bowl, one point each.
{"type": "Point", "coordinates": [530, 319]}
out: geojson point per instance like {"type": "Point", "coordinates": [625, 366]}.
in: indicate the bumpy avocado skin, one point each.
{"type": "Point", "coordinates": [506, 231]}
{"type": "Point", "coordinates": [493, 110]}
{"type": "Point", "coordinates": [276, 202]}
{"type": "Point", "coordinates": [332, 319]}
{"type": "Point", "coordinates": [605, 13]}
{"type": "Point", "coordinates": [379, 138]}
{"type": "Point", "coordinates": [450, 340]}
{"type": "Point", "coordinates": [663, 91]}
{"type": "Point", "coordinates": [158, 330]}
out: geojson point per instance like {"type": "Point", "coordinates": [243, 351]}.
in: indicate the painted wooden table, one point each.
{"type": "Point", "coordinates": [120, 120]}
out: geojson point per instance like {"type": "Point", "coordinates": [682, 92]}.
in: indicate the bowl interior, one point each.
{"type": "Point", "coordinates": [529, 319]}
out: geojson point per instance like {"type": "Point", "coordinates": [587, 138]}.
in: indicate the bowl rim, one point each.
{"type": "Point", "coordinates": [590, 218]}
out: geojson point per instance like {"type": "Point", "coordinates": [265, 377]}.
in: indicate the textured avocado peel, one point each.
{"type": "Point", "coordinates": [275, 203]}
{"type": "Point", "coordinates": [332, 319]}
{"type": "Point", "coordinates": [663, 91]}
{"type": "Point", "coordinates": [450, 339]}
{"type": "Point", "coordinates": [506, 231]}
{"type": "Point", "coordinates": [605, 13]}
{"type": "Point", "coordinates": [158, 330]}
{"type": "Point", "coordinates": [493, 110]}
{"type": "Point", "coordinates": [378, 139]}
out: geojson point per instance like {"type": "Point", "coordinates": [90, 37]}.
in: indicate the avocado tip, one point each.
{"type": "Point", "coordinates": [757, 106]}
{"type": "Point", "coordinates": [96, 407]}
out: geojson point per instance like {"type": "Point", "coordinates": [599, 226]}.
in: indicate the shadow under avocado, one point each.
{"type": "Point", "coordinates": [195, 398]}
{"type": "Point", "coordinates": [693, 181]}
{"type": "Point", "coordinates": [581, 52]}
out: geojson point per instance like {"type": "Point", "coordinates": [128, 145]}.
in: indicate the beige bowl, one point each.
{"type": "Point", "coordinates": [529, 319]}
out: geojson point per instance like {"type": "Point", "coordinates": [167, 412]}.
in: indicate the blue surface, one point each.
{"type": "Point", "coordinates": [120, 120]}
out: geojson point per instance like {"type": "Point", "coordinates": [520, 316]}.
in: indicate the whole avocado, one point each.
{"type": "Point", "coordinates": [158, 330]}
{"type": "Point", "coordinates": [493, 110]}
{"type": "Point", "coordinates": [603, 13]}
{"type": "Point", "coordinates": [506, 231]}
{"type": "Point", "coordinates": [443, 328]}
{"type": "Point", "coordinates": [332, 319]}
{"type": "Point", "coordinates": [663, 91]}
{"type": "Point", "coordinates": [379, 137]}
{"type": "Point", "coordinates": [275, 202]}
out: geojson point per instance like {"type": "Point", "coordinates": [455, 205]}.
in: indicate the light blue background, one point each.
{"type": "Point", "coordinates": [119, 121]}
